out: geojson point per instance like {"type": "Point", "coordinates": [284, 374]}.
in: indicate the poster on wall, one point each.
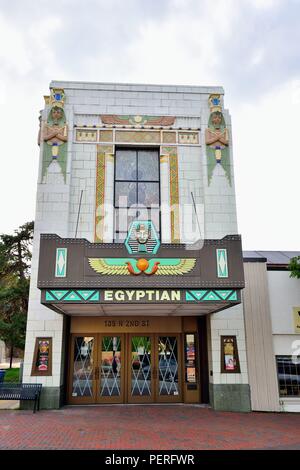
{"type": "Point", "coordinates": [229, 355]}
{"type": "Point", "coordinates": [42, 360]}
{"type": "Point", "coordinates": [43, 355]}
{"type": "Point", "coordinates": [190, 358]}
{"type": "Point", "coordinates": [296, 312]}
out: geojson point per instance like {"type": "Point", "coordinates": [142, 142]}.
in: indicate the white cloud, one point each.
{"type": "Point", "coordinates": [257, 57]}
{"type": "Point", "coordinates": [184, 47]}
{"type": "Point", "coordinates": [267, 163]}
{"type": "Point", "coordinates": [14, 56]}
{"type": "Point", "coordinates": [264, 4]}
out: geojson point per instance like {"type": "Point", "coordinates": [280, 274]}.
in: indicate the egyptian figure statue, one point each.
{"type": "Point", "coordinates": [55, 137]}
{"type": "Point", "coordinates": [216, 139]}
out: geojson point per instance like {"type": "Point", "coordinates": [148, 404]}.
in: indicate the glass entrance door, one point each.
{"type": "Point", "coordinates": [110, 372]}
{"type": "Point", "coordinates": [125, 368]}
{"type": "Point", "coordinates": [82, 383]}
{"type": "Point", "coordinates": [168, 386]}
{"type": "Point", "coordinates": [140, 369]}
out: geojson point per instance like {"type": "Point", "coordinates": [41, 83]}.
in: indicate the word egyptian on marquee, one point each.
{"type": "Point", "coordinates": [136, 295]}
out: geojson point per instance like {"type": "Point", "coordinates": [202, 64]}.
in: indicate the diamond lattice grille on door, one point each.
{"type": "Point", "coordinates": [83, 367]}
{"type": "Point", "coordinates": [110, 385]}
{"type": "Point", "coordinates": [168, 365]}
{"type": "Point", "coordinates": [141, 366]}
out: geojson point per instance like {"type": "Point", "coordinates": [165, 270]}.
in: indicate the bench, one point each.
{"type": "Point", "coordinates": [21, 391]}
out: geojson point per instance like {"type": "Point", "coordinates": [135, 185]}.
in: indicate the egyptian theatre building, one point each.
{"type": "Point", "coordinates": [137, 269]}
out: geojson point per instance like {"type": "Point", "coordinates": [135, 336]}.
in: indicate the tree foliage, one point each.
{"type": "Point", "coordinates": [15, 263]}
{"type": "Point", "coordinates": [295, 267]}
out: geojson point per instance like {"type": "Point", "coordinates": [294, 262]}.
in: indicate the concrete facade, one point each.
{"type": "Point", "coordinates": [58, 200]}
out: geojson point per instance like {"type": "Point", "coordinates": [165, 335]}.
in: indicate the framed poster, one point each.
{"type": "Point", "coordinates": [190, 358]}
{"type": "Point", "coordinates": [42, 357]}
{"type": "Point", "coordinates": [229, 355]}
{"type": "Point", "coordinates": [296, 311]}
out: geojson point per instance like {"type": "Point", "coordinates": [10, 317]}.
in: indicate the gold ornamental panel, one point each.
{"type": "Point", "coordinates": [144, 137]}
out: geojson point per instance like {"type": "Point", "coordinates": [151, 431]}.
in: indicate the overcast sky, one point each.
{"type": "Point", "coordinates": [251, 47]}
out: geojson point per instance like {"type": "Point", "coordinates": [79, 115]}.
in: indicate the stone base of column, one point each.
{"type": "Point", "coordinates": [231, 397]}
{"type": "Point", "coordinates": [51, 399]}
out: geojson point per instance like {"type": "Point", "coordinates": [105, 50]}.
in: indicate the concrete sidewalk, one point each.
{"type": "Point", "coordinates": [182, 427]}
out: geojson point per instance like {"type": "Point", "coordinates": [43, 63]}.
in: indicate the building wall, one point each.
{"type": "Point", "coordinates": [260, 351]}
{"type": "Point", "coordinates": [58, 198]}
{"type": "Point", "coordinates": [284, 293]}
{"type": "Point", "coordinates": [85, 103]}
{"type": "Point", "coordinates": [228, 391]}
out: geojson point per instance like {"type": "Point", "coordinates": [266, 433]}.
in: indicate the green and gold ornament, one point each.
{"type": "Point", "coordinates": [142, 239]}
{"type": "Point", "coordinates": [217, 140]}
{"type": "Point", "coordinates": [55, 134]}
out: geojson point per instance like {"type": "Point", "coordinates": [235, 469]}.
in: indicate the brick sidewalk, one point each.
{"type": "Point", "coordinates": [147, 427]}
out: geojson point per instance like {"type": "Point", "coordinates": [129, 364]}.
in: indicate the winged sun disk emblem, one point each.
{"type": "Point", "coordinates": [127, 266]}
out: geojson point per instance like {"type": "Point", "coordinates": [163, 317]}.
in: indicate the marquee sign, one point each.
{"type": "Point", "coordinates": [104, 296]}
{"type": "Point", "coordinates": [68, 263]}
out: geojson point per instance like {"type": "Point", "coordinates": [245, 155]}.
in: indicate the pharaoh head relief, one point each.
{"type": "Point", "coordinates": [54, 134]}
{"type": "Point", "coordinates": [216, 139]}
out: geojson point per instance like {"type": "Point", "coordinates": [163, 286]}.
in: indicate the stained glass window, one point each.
{"type": "Point", "coordinates": [137, 189]}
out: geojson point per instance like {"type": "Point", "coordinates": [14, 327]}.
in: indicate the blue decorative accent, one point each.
{"type": "Point", "coordinates": [72, 295]}
{"type": "Point", "coordinates": [222, 264]}
{"type": "Point", "coordinates": [142, 238]}
{"type": "Point", "coordinates": [211, 295]}
{"type": "Point", "coordinates": [95, 297]}
{"type": "Point", "coordinates": [233, 296]}
{"type": "Point", "coordinates": [61, 262]}
{"type": "Point", "coordinates": [49, 296]}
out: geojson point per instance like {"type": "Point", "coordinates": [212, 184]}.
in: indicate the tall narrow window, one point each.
{"type": "Point", "coordinates": [137, 189]}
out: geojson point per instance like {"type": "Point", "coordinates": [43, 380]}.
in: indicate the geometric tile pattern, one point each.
{"type": "Point", "coordinates": [174, 191]}
{"type": "Point", "coordinates": [61, 262]}
{"type": "Point", "coordinates": [93, 295]}
{"type": "Point", "coordinates": [73, 295]}
{"type": "Point", "coordinates": [100, 190]}
{"type": "Point", "coordinates": [205, 295]}
{"type": "Point", "coordinates": [152, 137]}
{"type": "Point", "coordinates": [222, 264]}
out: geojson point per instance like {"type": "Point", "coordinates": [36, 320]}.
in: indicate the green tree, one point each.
{"type": "Point", "coordinates": [294, 267]}
{"type": "Point", "coordinates": [15, 258]}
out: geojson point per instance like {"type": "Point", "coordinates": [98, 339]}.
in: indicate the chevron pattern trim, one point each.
{"type": "Point", "coordinates": [210, 295]}
{"type": "Point", "coordinates": [72, 295]}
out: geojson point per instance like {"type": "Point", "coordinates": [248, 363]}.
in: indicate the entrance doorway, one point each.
{"type": "Point", "coordinates": [125, 368]}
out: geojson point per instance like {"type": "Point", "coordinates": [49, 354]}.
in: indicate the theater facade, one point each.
{"type": "Point", "coordinates": [137, 270]}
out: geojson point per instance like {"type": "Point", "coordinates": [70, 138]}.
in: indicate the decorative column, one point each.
{"type": "Point", "coordinates": [174, 192]}
{"type": "Point", "coordinates": [165, 198]}
{"type": "Point", "coordinates": [108, 232]}
{"type": "Point", "coordinates": [104, 194]}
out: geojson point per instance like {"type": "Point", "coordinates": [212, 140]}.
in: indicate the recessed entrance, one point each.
{"type": "Point", "coordinates": [125, 368]}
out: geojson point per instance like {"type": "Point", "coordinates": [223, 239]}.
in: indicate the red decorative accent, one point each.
{"type": "Point", "coordinates": [131, 270]}
{"type": "Point", "coordinates": [142, 265]}
{"type": "Point", "coordinates": [154, 269]}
